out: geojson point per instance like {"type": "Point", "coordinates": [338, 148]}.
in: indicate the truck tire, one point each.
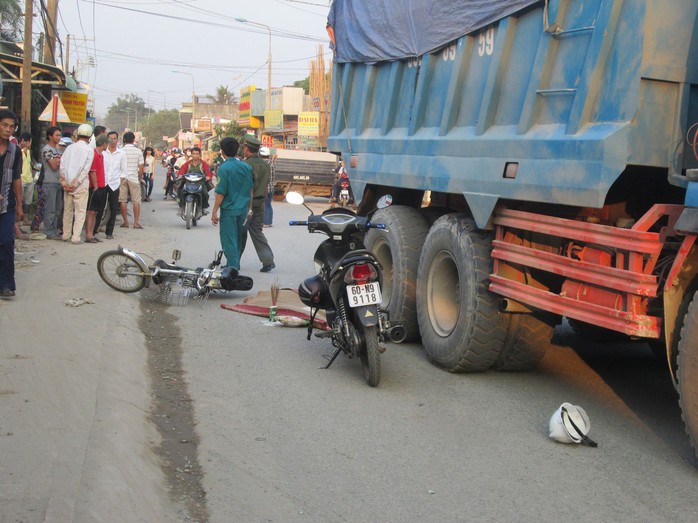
{"type": "Point", "coordinates": [397, 248]}
{"type": "Point", "coordinates": [527, 341]}
{"type": "Point", "coordinates": [431, 214]}
{"type": "Point", "coordinates": [687, 371]}
{"type": "Point", "coordinates": [459, 320]}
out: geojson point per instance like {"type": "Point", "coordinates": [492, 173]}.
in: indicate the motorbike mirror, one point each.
{"type": "Point", "coordinates": [295, 198]}
{"type": "Point", "coordinates": [385, 201]}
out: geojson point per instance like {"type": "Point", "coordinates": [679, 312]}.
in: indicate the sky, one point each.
{"type": "Point", "coordinates": [135, 45]}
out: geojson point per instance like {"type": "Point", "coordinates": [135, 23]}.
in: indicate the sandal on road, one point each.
{"type": "Point", "coordinates": [138, 226]}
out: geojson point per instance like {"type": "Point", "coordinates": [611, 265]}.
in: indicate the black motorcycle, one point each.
{"type": "Point", "coordinates": [348, 288]}
{"type": "Point", "coordinates": [191, 206]}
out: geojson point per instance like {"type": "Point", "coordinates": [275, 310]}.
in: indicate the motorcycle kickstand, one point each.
{"type": "Point", "coordinates": [332, 358]}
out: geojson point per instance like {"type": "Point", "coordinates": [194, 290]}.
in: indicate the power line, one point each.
{"type": "Point", "coordinates": [276, 32]}
{"type": "Point", "coordinates": [282, 2]}
{"type": "Point", "coordinates": [47, 21]}
{"type": "Point", "coordinates": [306, 3]}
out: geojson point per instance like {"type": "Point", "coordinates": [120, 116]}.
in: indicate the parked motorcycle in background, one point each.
{"type": "Point", "coordinates": [348, 287]}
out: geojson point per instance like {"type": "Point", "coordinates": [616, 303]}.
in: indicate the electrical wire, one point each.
{"type": "Point", "coordinates": [306, 3]}
{"type": "Point", "coordinates": [284, 2]}
{"type": "Point", "coordinates": [47, 21]}
{"type": "Point", "coordinates": [275, 31]}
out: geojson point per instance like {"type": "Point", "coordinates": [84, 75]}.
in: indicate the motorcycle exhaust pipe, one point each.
{"type": "Point", "coordinates": [397, 333]}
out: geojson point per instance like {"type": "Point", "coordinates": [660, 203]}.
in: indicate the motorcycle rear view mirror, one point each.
{"type": "Point", "coordinates": [385, 201]}
{"type": "Point", "coordinates": [295, 198]}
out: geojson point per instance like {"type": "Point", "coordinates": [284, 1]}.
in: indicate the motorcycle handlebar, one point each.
{"type": "Point", "coordinates": [376, 226]}
{"type": "Point", "coordinates": [298, 222]}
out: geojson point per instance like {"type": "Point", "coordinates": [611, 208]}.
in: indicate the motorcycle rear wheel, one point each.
{"type": "Point", "coordinates": [370, 357]}
{"type": "Point", "coordinates": [119, 272]}
{"type": "Point", "coordinates": [188, 213]}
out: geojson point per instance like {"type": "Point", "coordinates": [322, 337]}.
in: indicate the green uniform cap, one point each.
{"type": "Point", "coordinates": [251, 140]}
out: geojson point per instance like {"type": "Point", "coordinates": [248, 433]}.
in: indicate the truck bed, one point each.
{"type": "Point", "coordinates": [519, 111]}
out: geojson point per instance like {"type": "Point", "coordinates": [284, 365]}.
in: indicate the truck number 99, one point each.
{"type": "Point", "coordinates": [449, 53]}
{"type": "Point", "coordinates": [485, 44]}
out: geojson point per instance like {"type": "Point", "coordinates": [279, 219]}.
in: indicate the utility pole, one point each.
{"type": "Point", "coordinates": [67, 54]}
{"type": "Point", "coordinates": [26, 117]}
{"type": "Point", "coordinates": [50, 43]}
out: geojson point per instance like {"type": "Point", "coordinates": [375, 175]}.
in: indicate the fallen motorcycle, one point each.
{"type": "Point", "coordinates": [348, 288]}
{"type": "Point", "coordinates": [126, 271]}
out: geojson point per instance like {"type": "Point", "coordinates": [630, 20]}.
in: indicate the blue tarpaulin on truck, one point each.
{"type": "Point", "coordinates": [378, 30]}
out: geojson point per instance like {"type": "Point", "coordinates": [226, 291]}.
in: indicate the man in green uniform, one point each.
{"type": "Point", "coordinates": [260, 174]}
{"type": "Point", "coordinates": [233, 197]}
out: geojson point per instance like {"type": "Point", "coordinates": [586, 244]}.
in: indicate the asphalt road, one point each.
{"type": "Point", "coordinates": [272, 437]}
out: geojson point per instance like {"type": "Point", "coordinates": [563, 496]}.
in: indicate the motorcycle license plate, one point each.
{"type": "Point", "coordinates": [366, 294]}
{"type": "Point", "coordinates": [345, 193]}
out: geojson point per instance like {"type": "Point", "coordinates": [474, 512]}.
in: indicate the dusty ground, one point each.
{"type": "Point", "coordinates": [172, 410]}
{"type": "Point", "coordinates": [96, 423]}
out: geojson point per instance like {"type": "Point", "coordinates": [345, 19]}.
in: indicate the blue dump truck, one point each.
{"type": "Point", "coordinates": [542, 157]}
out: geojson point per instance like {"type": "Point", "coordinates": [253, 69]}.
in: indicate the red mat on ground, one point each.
{"type": "Point", "coordinates": [287, 304]}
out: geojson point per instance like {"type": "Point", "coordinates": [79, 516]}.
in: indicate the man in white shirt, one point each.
{"type": "Point", "coordinates": [114, 171]}
{"type": "Point", "coordinates": [131, 184]}
{"type": "Point", "coordinates": [75, 168]}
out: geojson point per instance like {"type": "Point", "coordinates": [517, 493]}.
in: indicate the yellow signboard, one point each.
{"type": "Point", "coordinates": [75, 105]}
{"type": "Point", "coordinates": [245, 104]}
{"type": "Point", "coordinates": [273, 120]}
{"type": "Point", "coordinates": [308, 123]}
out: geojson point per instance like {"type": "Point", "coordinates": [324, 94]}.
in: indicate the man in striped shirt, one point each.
{"type": "Point", "coordinates": [131, 184]}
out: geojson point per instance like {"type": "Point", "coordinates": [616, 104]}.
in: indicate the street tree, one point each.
{"type": "Point", "coordinates": [231, 129]}
{"type": "Point", "coordinates": [160, 124]}
{"type": "Point", "coordinates": [126, 112]}
{"type": "Point", "coordinates": [223, 96]}
{"type": "Point", "coordinates": [305, 84]}
{"type": "Point", "coordinates": [11, 20]}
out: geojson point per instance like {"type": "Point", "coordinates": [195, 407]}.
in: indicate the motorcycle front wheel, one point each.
{"type": "Point", "coordinates": [370, 357]}
{"type": "Point", "coordinates": [189, 213]}
{"type": "Point", "coordinates": [120, 272]}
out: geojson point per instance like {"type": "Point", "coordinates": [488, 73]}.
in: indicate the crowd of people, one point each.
{"type": "Point", "coordinates": [85, 180]}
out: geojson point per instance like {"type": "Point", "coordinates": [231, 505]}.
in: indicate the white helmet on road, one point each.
{"type": "Point", "coordinates": [570, 424]}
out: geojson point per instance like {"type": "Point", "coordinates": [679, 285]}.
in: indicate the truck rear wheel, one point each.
{"type": "Point", "coordinates": [459, 320]}
{"type": "Point", "coordinates": [687, 371]}
{"type": "Point", "coordinates": [397, 248]}
{"type": "Point", "coordinates": [527, 341]}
